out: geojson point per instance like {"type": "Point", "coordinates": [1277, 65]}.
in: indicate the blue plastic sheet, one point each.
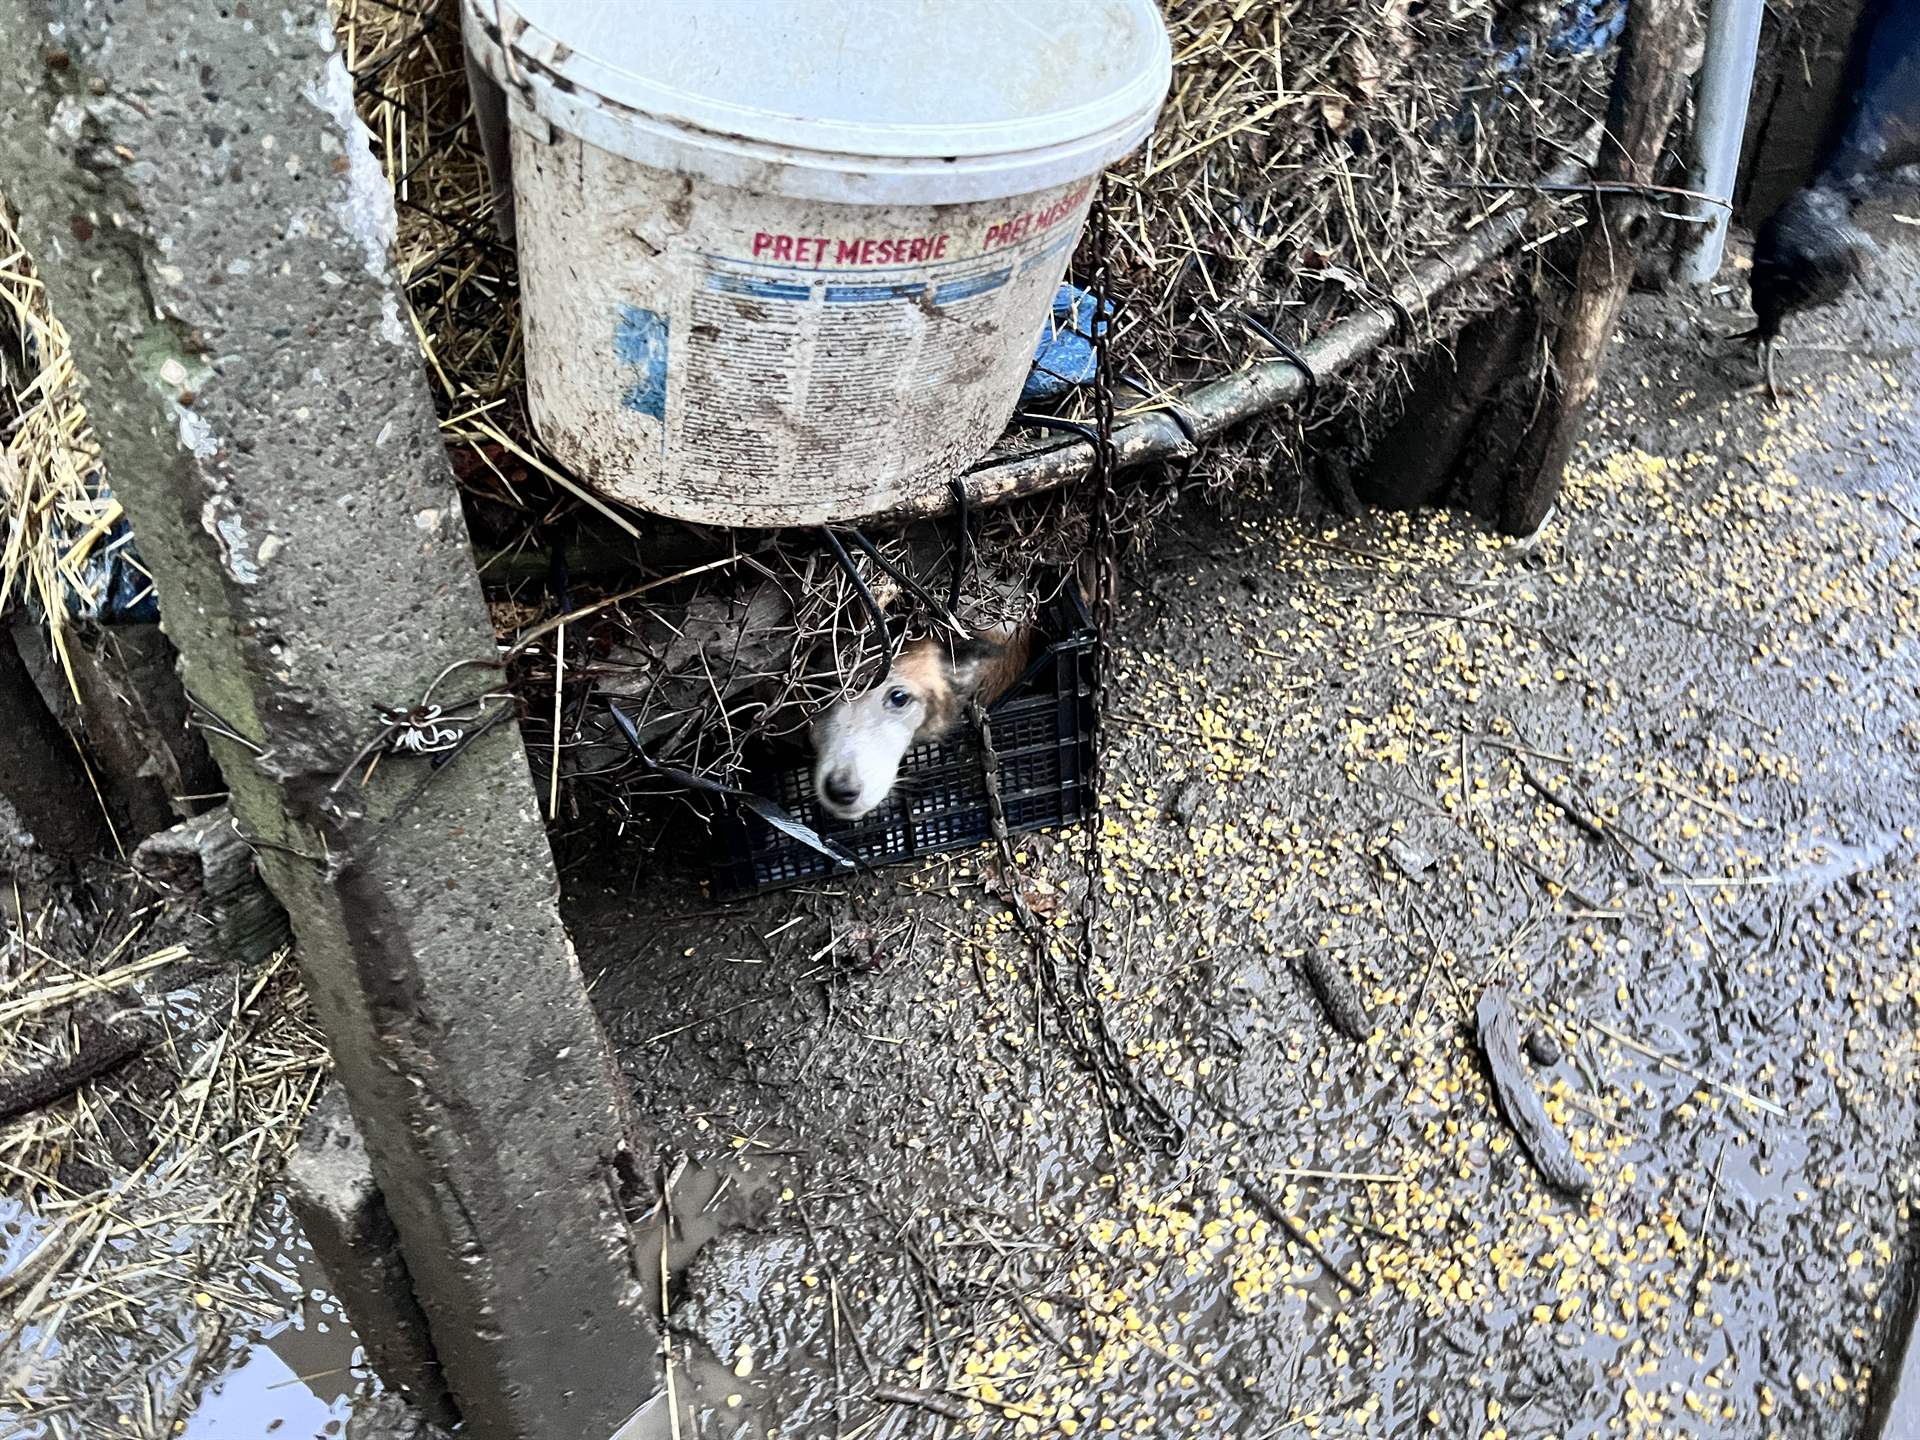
{"type": "Point", "coordinates": [1584, 26]}
{"type": "Point", "coordinates": [122, 591]}
{"type": "Point", "coordinates": [1581, 28]}
{"type": "Point", "coordinates": [1064, 358]}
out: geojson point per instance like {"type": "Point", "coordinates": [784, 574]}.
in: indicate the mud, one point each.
{"type": "Point", "coordinates": [1653, 771]}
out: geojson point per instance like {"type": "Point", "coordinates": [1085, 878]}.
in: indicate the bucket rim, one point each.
{"type": "Point", "coordinates": [536, 54]}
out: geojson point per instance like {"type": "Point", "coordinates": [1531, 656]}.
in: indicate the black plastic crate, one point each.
{"type": "Point", "coordinates": [1042, 733]}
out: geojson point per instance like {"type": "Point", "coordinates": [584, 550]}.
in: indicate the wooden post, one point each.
{"type": "Point", "coordinates": [1648, 82]}
{"type": "Point", "coordinates": [41, 774]}
{"type": "Point", "coordinates": [129, 717]}
{"type": "Point", "coordinates": [214, 233]}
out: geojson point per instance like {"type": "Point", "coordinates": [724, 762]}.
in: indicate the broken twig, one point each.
{"type": "Point", "coordinates": [123, 1037]}
{"type": "Point", "coordinates": [936, 1402]}
{"type": "Point", "coordinates": [1551, 1152]}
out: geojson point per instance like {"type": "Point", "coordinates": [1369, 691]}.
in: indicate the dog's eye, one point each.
{"type": "Point", "coordinates": [898, 699]}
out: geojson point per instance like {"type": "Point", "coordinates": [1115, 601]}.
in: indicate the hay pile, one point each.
{"type": "Point", "coordinates": [1312, 153]}
{"type": "Point", "coordinates": [65, 537]}
{"type": "Point", "coordinates": [132, 1218]}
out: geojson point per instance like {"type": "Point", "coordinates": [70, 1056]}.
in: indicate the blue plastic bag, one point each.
{"type": "Point", "coordinates": [1064, 359]}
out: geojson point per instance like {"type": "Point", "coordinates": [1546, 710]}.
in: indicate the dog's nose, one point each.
{"type": "Point", "coordinates": [841, 789]}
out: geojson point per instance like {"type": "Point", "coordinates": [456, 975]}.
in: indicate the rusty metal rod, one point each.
{"type": "Point", "coordinates": [1215, 406]}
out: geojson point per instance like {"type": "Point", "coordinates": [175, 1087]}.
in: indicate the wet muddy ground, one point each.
{"type": "Point", "coordinates": [142, 1247]}
{"type": "Point", "coordinates": [1656, 772]}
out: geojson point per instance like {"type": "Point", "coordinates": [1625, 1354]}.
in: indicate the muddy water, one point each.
{"type": "Point", "coordinates": [1657, 772]}
{"type": "Point", "coordinates": [294, 1377]}
{"type": "Point", "coordinates": [289, 1367]}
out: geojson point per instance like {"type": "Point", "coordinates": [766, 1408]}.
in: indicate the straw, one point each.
{"type": "Point", "coordinates": [1310, 155]}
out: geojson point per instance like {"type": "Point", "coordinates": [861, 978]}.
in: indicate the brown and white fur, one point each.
{"type": "Point", "coordinates": [859, 743]}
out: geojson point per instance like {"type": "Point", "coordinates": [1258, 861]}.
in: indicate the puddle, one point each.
{"type": "Point", "coordinates": [725, 1203]}
{"type": "Point", "coordinates": [296, 1377]}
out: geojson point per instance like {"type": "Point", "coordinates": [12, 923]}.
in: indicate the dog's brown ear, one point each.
{"type": "Point", "coordinates": [972, 661]}
{"type": "Point", "coordinates": [985, 667]}
{"type": "Point", "coordinates": [1089, 577]}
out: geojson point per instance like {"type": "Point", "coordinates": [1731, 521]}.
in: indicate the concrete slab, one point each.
{"type": "Point", "coordinates": [331, 1187]}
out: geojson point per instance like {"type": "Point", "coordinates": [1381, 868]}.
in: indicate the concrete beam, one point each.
{"type": "Point", "coordinates": [330, 1185]}
{"type": "Point", "coordinates": [214, 233]}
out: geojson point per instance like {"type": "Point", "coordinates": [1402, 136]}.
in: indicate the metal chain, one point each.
{"type": "Point", "coordinates": [1078, 1009]}
{"type": "Point", "coordinates": [997, 818]}
{"type": "Point", "coordinates": [1100, 536]}
{"type": "Point", "coordinates": [1153, 1123]}
{"type": "Point", "coordinates": [1130, 1108]}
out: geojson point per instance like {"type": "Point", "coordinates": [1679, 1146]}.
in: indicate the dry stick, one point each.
{"type": "Point", "coordinates": [1706, 1223]}
{"type": "Point", "coordinates": [51, 1255]}
{"type": "Point", "coordinates": [1217, 406]}
{"type": "Point", "coordinates": [936, 1402]}
{"type": "Point", "coordinates": [1539, 871]}
{"type": "Point", "coordinates": [1648, 81]}
{"type": "Point", "coordinates": [853, 1330]}
{"type": "Point", "coordinates": [1369, 1177]}
{"type": "Point", "coordinates": [833, 1349]}
{"type": "Point", "coordinates": [1591, 187]}
{"type": "Point", "coordinates": [52, 997]}
{"type": "Point", "coordinates": [1745, 1097]}
{"type": "Point", "coordinates": [127, 1034]}
{"type": "Point", "coordinates": [553, 472]}
{"type": "Point", "coordinates": [833, 1290]}
{"type": "Point", "coordinates": [1516, 749]}
{"type": "Point", "coordinates": [929, 1303]}
{"type": "Point", "coordinates": [1551, 1152]}
{"type": "Point", "coordinates": [1676, 789]}
{"type": "Point", "coordinates": [1045, 1331]}
{"type": "Point", "coordinates": [1277, 1213]}
{"type": "Point", "coordinates": [1584, 823]}
{"type": "Point", "coordinates": [1899, 509]}
{"type": "Point", "coordinates": [1137, 722]}
{"type": "Point", "coordinates": [559, 676]}
{"type": "Point", "coordinates": [666, 1333]}
{"type": "Point", "coordinates": [1672, 866]}
{"type": "Point", "coordinates": [593, 607]}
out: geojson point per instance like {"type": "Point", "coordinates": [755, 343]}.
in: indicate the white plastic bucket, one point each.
{"type": "Point", "coordinates": [785, 261]}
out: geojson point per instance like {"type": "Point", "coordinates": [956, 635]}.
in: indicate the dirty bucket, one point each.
{"type": "Point", "coordinates": [784, 263]}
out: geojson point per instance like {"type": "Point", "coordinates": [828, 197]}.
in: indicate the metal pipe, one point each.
{"type": "Point", "coordinates": [1719, 125]}
{"type": "Point", "coordinates": [1209, 409]}
{"type": "Point", "coordinates": [490, 119]}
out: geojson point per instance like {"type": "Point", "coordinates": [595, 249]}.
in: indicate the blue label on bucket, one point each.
{"type": "Point", "coordinates": [970, 286]}
{"type": "Point", "coordinates": [640, 345]}
{"type": "Point", "coordinates": [868, 294]}
{"type": "Point", "coordinates": [731, 284]}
